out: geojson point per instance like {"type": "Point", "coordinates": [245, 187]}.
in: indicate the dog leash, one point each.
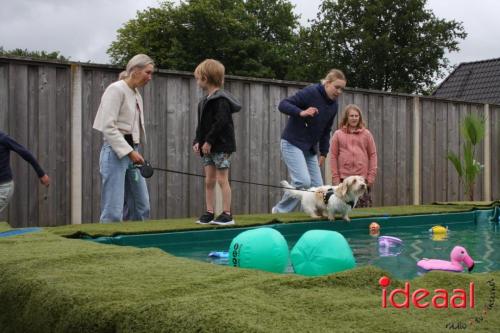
{"type": "Point", "coordinates": [147, 171]}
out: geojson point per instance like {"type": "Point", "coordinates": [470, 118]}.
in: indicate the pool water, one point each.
{"type": "Point", "coordinates": [471, 230]}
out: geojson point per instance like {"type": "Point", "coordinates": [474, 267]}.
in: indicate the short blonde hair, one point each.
{"type": "Point", "coordinates": [334, 74]}
{"type": "Point", "coordinates": [212, 70]}
{"type": "Point", "coordinates": [139, 61]}
{"type": "Point", "coordinates": [345, 115]}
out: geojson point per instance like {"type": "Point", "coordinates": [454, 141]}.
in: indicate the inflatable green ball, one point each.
{"type": "Point", "coordinates": [262, 248]}
{"type": "Point", "coordinates": [321, 252]}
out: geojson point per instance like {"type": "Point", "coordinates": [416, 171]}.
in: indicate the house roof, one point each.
{"type": "Point", "coordinates": [477, 81]}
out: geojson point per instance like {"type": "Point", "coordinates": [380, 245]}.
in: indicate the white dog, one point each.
{"type": "Point", "coordinates": [330, 199]}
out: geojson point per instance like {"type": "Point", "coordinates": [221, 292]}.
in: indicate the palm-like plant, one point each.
{"type": "Point", "coordinates": [472, 129]}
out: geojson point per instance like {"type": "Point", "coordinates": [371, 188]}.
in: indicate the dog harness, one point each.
{"type": "Point", "coordinates": [329, 193]}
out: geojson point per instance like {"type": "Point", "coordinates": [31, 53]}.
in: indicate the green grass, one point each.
{"type": "Point", "coordinates": [50, 283]}
{"type": "Point", "coordinates": [97, 230]}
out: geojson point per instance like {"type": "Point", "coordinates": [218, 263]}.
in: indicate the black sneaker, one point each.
{"type": "Point", "coordinates": [223, 219]}
{"type": "Point", "coordinates": [206, 218]}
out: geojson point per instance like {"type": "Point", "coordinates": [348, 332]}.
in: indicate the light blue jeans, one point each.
{"type": "Point", "coordinates": [121, 183]}
{"type": "Point", "coordinates": [6, 191]}
{"type": "Point", "coordinates": [304, 173]}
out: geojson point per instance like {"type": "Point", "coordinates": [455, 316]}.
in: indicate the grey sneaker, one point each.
{"type": "Point", "coordinates": [206, 218]}
{"type": "Point", "coordinates": [223, 219]}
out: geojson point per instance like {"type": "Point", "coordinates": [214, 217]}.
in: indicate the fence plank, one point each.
{"type": "Point", "coordinates": [33, 204]}
{"type": "Point", "coordinates": [63, 157]}
{"type": "Point", "coordinates": [495, 152]}
{"type": "Point", "coordinates": [240, 159]}
{"type": "Point", "coordinates": [88, 147]}
{"type": "Point", "coordinates": [441, 165]}
{"type": "Point", "coordinates": [275, 129]}
{"type": "Point", "coordinates": [428, 140]}
{"type": "Point", "coordinates": [155, 115]}
{"type": "Point", "coordinates": [4, 112]}
{"type": "Point", "coordinates": [196, 184]}
{"type": "Point", "coordinates": [453, 129]}
{"type": "Point", "coordinates": [259, 154]}
{"type": "Point", "coordinates": [389, 149]}
{"type": "Point", "coordinates": [478, 110]}
{"type": "Point", "coordinates": [177, 118]}
{"type": "Point", "coordinates": [403, 151]}
{"type": "Point", "coordinates": [18, 129]}
{"type": "Point", "coordinates": [374, 116]}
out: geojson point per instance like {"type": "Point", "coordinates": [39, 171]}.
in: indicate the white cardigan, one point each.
{"type": "Point", "coordinates": [115, 116]}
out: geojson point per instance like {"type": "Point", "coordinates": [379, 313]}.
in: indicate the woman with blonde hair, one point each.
{"type": "Point", "coordinates": [353, 152]}
{"type": "Point", "coordinates": [120, 118]}
{"type": "Point", "coordinates": [311, 112]}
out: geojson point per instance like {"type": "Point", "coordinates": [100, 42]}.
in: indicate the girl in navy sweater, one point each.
{"type": "Point", "coordinates": [311, 112]}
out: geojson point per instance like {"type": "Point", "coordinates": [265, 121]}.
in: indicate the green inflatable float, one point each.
{"type": "Point", "coordinates": [321, 252]}
{"type": "Point", "coordinates": [262, 248]}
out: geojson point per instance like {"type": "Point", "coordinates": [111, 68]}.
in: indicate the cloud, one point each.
{"type": "Point", "coordinates": [84, 30]}
{"type": "Point", "coordinates": [81, 30]}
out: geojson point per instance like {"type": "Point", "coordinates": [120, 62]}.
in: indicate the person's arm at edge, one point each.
{"type": "Point", "coordinates": [28, 157]}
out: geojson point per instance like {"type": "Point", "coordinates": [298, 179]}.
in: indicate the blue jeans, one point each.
{"type": "Point", "coordinates": [121, 183]}
{"type": "Point", "coordinates": [304, 173]}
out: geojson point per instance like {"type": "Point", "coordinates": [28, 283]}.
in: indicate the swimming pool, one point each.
{"type": "Point", "coordinates": [469, 229]}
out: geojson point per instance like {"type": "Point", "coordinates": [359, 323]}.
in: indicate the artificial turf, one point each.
{"type": "Point", "coordinates": [184, 224]}
{"type": "Point", "coordinates": [50, 283]}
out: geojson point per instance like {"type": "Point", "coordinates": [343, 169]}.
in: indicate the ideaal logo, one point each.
{"type": "Point", "coordinates": [439, 299]}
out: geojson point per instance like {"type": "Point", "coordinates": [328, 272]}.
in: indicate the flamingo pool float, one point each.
{"type": "Point", "coordinates": [458, 255]}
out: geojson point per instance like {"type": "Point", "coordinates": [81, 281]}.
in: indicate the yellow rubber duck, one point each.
{"type": "Point", "coordinates": [439, 229]}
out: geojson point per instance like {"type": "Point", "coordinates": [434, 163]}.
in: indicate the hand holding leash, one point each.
{"type": "Point", "coordinates": [146, 169]}
{"type": "Point", "coordinates": [136, 158]}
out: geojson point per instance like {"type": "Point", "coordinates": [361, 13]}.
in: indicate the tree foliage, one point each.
{"type": "Point", "coordinates": [251, 38]}
{"type": "Point", "coordinates": [381, 44]}
{"type": "Point", "coordinates": [387, 45]}
{"type": "Point", "coordinates": [25, 53]}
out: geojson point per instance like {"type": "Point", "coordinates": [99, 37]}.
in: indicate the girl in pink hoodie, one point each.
{"type": "Point", "coordinates": [353, 152]}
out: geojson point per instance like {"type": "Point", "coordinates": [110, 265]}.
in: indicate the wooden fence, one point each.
{"type": "Point", "coordinates": [50, 106]}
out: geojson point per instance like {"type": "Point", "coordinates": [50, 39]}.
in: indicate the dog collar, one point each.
{"type": "Point", "coordinates": [327, 195]}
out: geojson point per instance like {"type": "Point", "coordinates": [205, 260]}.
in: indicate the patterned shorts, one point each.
{"type": "Point", "coordinates": [219, 160]}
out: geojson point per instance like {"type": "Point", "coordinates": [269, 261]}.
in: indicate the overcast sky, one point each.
{"type": "Point", "coordinates": [83, 30]}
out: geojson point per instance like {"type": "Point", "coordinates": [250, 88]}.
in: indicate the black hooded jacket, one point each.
{"type": "Point", "coordinates": [215, 122]}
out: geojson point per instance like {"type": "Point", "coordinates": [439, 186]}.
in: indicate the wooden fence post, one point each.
{"type": "Point", "coordinates": [487, 154]}
{"type": "Point", "coordinates": [416, 150]}
{"type": "Point", "coordinates": [76, 144]}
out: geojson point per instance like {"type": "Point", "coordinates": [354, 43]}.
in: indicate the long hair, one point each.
{"type": "Point", "coordinates": [345, 116]}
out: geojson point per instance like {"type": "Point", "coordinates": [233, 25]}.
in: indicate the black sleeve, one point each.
{"type": "Point", "coordinates": [25, 154]}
